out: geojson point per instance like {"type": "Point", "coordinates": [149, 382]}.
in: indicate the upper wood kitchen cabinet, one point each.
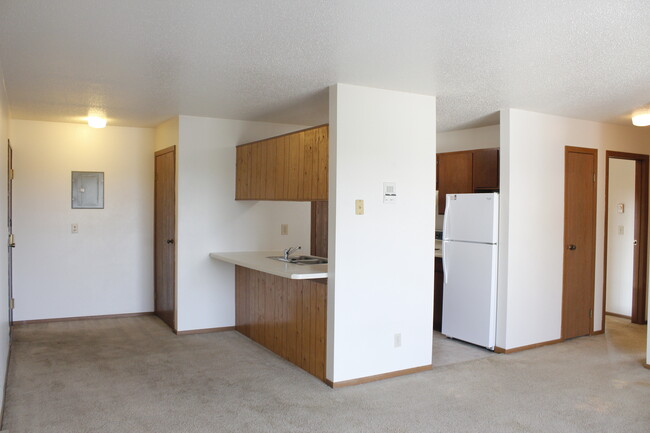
{"type": "Point", "coordinates": [485, 169]}
{"type": "Point", "coordinates": [290, 167]}
{"type": "Point", "coordinates": [454, 175]}
{"type": "Point", "coordinates": [466, 172]}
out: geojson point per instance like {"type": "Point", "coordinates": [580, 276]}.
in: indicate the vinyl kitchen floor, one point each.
{"type": "Point", "coordinates": [447, 351]}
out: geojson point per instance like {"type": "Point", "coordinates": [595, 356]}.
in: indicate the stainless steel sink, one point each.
{"type": "Point", "coordinates": [301, 260]}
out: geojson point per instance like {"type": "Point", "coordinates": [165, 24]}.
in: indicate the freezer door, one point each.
{"type": "Point", "coordinates": [469, 296]}
{"type": "Point", "coordinates": [472, 218]}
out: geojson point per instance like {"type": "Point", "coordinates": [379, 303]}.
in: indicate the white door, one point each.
{"type": "Point", "coordinates": [469, 296]}
{"type": "Point", "coordinates": [472, 218]}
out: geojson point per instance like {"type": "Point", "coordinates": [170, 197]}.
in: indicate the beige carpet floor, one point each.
{"type": "Point", "coordinates": [134, 375]}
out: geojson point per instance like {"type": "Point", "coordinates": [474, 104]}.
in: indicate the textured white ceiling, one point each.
{"type": "Point", "coordinates": [143, 61]}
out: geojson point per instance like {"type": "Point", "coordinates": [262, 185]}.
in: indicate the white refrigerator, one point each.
{"type": "Point", "coordinates": [469, 257]}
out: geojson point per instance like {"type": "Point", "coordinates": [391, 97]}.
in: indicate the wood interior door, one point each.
{"type": "Point", "coordinates": [164, 236]}
{"type": "Point", "coordinates": [579, 241]}
{"type": "Point", "coordinates": [11, 244]}
{"type": "Point", "coordinates": [454, 175]}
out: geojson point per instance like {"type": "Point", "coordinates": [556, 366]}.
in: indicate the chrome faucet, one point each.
{"type": "Point", "coordinates": [290, 250]}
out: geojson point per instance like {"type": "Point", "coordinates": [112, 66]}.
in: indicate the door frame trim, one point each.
{"type": "Point", "coordinates": [640, 227]}
{"type": "Point", "coordinates": [594, 153]}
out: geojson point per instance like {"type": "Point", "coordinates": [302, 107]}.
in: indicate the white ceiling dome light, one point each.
{"type": "Point", "coordinates": [641, 117]}
{"type": "Point", "coordinates": [95, 121]}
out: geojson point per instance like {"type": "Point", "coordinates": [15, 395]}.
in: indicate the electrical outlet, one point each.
{"type": "Point", "coordinates": [397, 340]}
{"type": "Point", "coordinates": [358, 207]}
{"type": "Point", "coordinates": [75, 228]}
{"type": "Point", "coordinates": [284, 229]}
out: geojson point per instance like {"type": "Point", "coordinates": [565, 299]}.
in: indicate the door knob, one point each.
{"type": "Point", "coordinates": [170, 241]}
{"type": "Point", "coordinates": [572, 247]}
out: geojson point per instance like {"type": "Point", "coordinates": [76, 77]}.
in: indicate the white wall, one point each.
{"type": "Point", "coordinates": [4, 308]}
{"type": "Point", "coordinates": [382, 261]}
{"type": "Point", "coordinates": [532, 185]}
{"type": "Point", "coordinates": [166, 134]}
{"type": "Point", "coordinates": [210, 220]}
{"type": "Point", "coordinates": [504, 225]}
{"type": "Point", "coordinates": [485, 137]}
{"type": "Point", "coordinates": [620, 246]}
{"type": "Point", "coordinates": [106, 268]}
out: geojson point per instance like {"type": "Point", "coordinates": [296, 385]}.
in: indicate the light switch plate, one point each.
{"type": "Point", "coordinates": [358, 207]}
{"type": "Point", "coordinates": [284, 229]}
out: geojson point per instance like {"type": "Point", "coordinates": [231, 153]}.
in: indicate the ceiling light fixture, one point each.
{"type": "Point", "coordinates": [96, 122]}
{"type": "Point", "coordinates": [641, 119]}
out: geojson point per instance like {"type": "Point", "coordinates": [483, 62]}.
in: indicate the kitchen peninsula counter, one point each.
{"type": "Point", "coordinates": [259, 261]}
{"type": "Point", "coordinates": [282, 306]}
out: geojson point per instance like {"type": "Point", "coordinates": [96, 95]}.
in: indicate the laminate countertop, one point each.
{"type": "Point", "coordinates": [259, 261]}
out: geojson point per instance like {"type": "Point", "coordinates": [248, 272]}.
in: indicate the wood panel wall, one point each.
{"type": "Point", "coordinates": [319, 228]}
{"type": "Point", "coordinates": [290, 167]}
{"type": "Point", "coordinates": [288, 317]}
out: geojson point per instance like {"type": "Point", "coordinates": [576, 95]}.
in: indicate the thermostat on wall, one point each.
{"type": "Point", "coordinates": [390, 192]}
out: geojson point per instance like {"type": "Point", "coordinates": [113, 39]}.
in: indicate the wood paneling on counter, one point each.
{"type": "Point", "coordinates": [290, 167]}
{"type": "Point", "coordinates": [286, 316]}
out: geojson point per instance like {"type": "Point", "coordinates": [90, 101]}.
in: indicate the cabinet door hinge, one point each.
{"type": "Point", "coordinates": [594, 177]}
{"type": "Point", "coordinates": [11, 174]}
{"type": "Point", "coordinates": [12, 304]}
{"type": "Point", "coordinates": [591, 313]}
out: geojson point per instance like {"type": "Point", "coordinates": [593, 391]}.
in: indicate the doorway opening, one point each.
{"type": "Point", "coordinates": [626, 237]}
